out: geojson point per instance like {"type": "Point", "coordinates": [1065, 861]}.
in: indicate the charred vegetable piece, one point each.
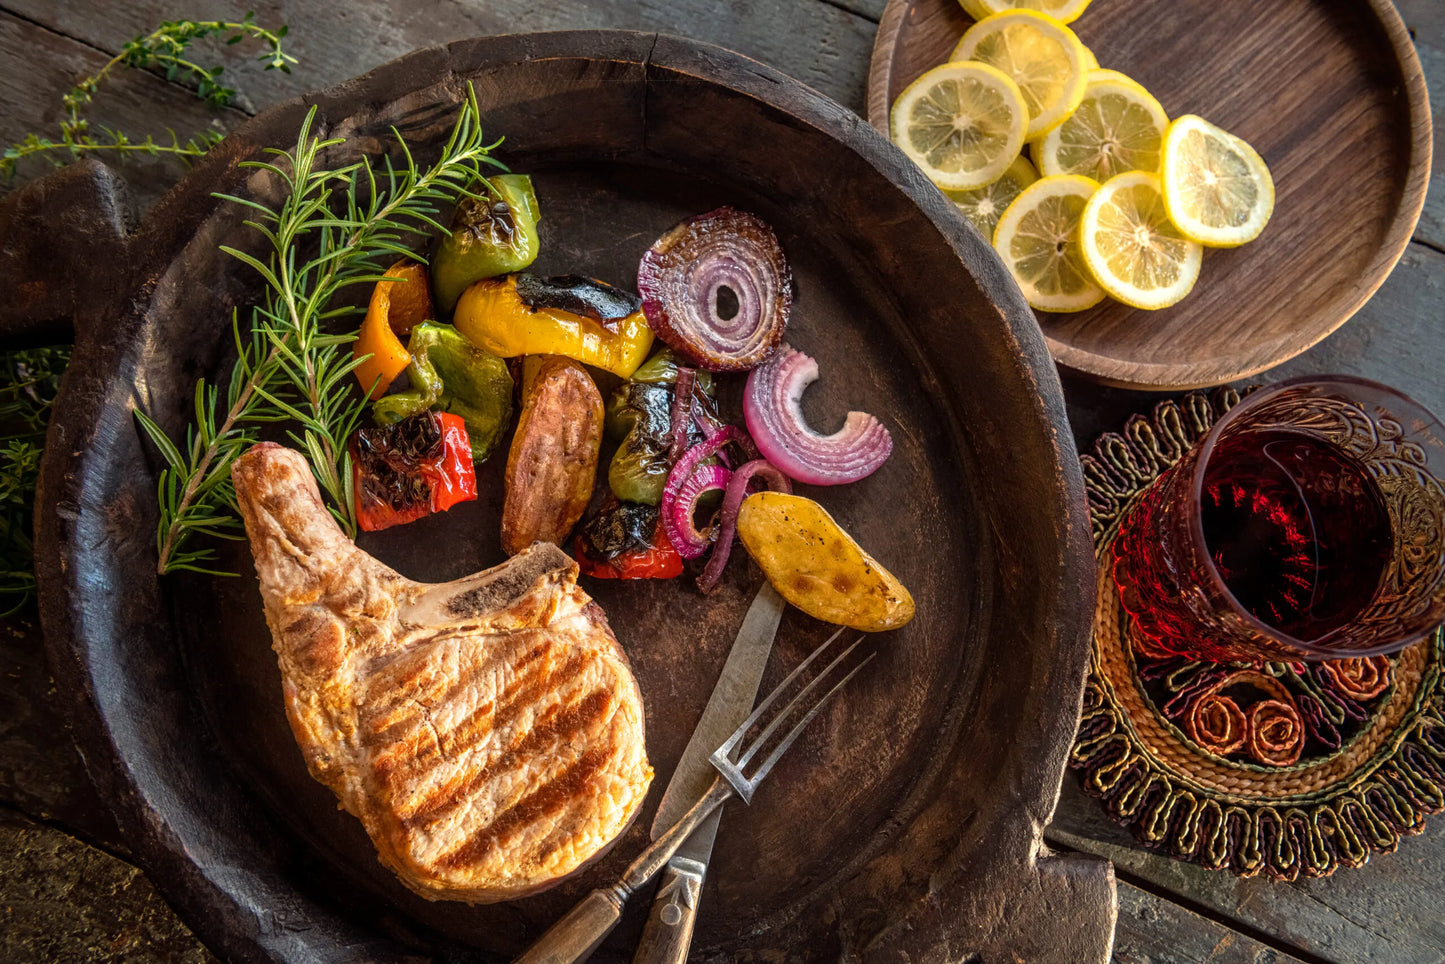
{"type": "Point", "coordinates": [578, 295]}
{"type": "Point", "coordinates": [491, 235]}
{"type": "Point", "coordinates": [718, 289]}
{"type": "Point", "coordinates": [816, 566]}
{"type": "Point", "coordinates": [620, 527]}
{"type": "Point", "coordinates": [640, 413]}
{"type": "Point", "coordinates": [553, 461]}
{"type": "Point", "coordinates": [395, 307]}
{"type": "Point", "coordinates": [401, 472]}
{"type": "Point", "coordinates": [493, 316]}
{"type": "Point", "coordinates": [449, 372]}
{"type": "Point", "coordinates": [656, 561]}
{"type": "Point", "coordinates": [624, 541]}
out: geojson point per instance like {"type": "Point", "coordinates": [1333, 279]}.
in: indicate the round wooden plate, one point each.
{"type": "Point", "coordinates": [909, 820]}
{"type": "Point", "coordinates": [1330, 92]}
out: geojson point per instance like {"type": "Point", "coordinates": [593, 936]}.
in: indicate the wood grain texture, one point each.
{"type": "Point", "coordinates": [1155, 931]}
{"type": "Point", "coordinates": [821, 44]}
{"type": "Point", "coordinates": [1387, 910]}
{"type": "Point", "coordinates": [1425, 19]}
{"type": "Point", "coordinates": [39, 66]}
{"type": "Point", "coordinates": [1331, 94]}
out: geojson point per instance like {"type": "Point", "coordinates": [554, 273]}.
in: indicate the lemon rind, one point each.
{"type": "Point", "coordinates": [1189, 227]}
{"type": "Point", "coordinates": [1132, 295]}
{"type": "Point", "coordinates": [1045, 122]}
{"type": "Point", "coordinates": [1015, 213]}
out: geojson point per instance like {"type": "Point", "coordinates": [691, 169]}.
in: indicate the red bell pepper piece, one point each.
{"type": "Point", "coordinates": [420, 465]}
{"type": "Point", "coordinates": [658, 561]}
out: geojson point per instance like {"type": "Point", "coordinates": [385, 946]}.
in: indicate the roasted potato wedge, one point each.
{"type": "Point", "coordinates": [816, 566]}
{"type": "Point", "coordinates": [552, 464]}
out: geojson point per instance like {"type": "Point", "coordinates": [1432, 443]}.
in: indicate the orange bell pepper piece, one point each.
{"type": "Point", "coordinates": [395, 307]}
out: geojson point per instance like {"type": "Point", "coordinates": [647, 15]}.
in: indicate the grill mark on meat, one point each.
{"type": "Point", "coordinates": [515, 701]}
{"type": "Point", "coordinates": [558, 724]}
{"type": "Point", "coordinates": [408, 756]}
{"type": "Point", "coordinates": [545, 803]}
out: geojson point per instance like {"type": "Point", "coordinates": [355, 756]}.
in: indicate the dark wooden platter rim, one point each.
{"type": "Point", "coordinates": [1345, 127]}
{"type": "Point", "coordinates": [169, 728]}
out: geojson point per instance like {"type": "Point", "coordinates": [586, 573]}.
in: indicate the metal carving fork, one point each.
{"type": "Point", "coordinates": [578, 933]}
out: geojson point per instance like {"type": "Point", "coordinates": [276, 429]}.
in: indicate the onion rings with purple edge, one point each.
{"type": "Point", "coordinates": [684, 273]}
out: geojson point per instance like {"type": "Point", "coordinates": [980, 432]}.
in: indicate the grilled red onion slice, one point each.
{"type": "Point", "coordinates": [733, 495]}
{"type": "Point", "coordinates": [684, 272]}
{"type": "Point", "coordinates": [680, 495]}
{"type": "Point", "coordinates": [772, 409]}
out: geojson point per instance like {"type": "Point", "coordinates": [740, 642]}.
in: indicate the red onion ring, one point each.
{"type": "Point", "coordinates": [773, 410]}
{"type": "Point", "coordinates": [677, 518]}
{"type": "Point", "coordinates": [681, 412]}
{"type": "Point", "coordinates": [682, 273]}
{"type": "Point", "coordinates": [733, 495]}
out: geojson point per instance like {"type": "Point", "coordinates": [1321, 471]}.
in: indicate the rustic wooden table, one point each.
{"type": "Point", "coordinates": [66, 892]}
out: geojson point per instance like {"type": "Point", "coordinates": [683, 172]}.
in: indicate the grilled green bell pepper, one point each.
{"type": "Point", "coordinates": [491, 235]}
{"type": "Point", "coordinates": [639, 412]}
{"type": "Point", "coordinates": [449, 372]}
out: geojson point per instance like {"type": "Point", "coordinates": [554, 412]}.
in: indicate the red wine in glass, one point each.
{"type": "Point", "coordinates": [1297, 529]}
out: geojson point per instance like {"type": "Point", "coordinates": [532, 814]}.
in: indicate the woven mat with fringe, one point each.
{"type": "Point", "coordinates": [1285, 769]}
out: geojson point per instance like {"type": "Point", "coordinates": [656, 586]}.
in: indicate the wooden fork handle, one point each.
{"type": "Point", "coordinates": [579, 932]}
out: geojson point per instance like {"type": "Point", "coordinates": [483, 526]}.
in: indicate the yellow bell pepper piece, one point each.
{"type": "Point", "coordinates": [395, 307]}
{"type": "Point", "coordinates": [494, 318]}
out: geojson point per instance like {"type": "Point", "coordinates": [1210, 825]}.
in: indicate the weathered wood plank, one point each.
{"type": "Point", "coordinates": [1426, 20]}
{"type": "Point", "coordinates": [1387, 910]}
{"type": "Point", "coordinates": [38, 66]}
{"type": "Point", "coordinates": [1153, 931]}
{"type": "Point", "coordinates": [824, 44]}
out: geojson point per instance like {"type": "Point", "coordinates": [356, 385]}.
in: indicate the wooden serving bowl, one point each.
{"type": "Point", "coordinates": [1330, 92]}
{"type": "Point", "coordinates": [909, 820]}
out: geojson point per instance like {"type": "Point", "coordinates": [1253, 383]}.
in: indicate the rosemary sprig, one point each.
{"type": "Point", "coordinates": [163, 49]}
{"type": "Point", "coordinates": [335, 228]}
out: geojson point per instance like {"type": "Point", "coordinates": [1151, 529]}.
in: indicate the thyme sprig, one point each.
{"type": "Point", "coordinates": [334, 229]}
{"type": "Point", "coordinates": [163, 49]}
{"type": "Point", "coordinates": [29, 381]}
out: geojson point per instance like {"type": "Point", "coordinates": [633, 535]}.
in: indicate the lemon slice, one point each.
{"type": "Point", "coordinates": [1043, 57]}
{"type": "Point", "coordinates": [962, 123]}
{"type": "Point", "coordinates": [1216, 187]}
{"type": "Point", "coordinates": [1117, 127]}
{"type": "Point", "coordinates": [1038, 239]}
{"type": "Point", "coordinates": [1064, 11]}
{"type": "Point", "coordinates": [985, 205]}
{"type": "Point", "coordinates": [1131, 247]}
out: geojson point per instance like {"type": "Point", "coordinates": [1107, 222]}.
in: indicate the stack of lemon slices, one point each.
{"type": "Point", "coordinates": [1127, 200]}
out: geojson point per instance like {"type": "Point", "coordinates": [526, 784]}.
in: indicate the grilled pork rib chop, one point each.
{"type": "Point", "coordinates": [488, 732]}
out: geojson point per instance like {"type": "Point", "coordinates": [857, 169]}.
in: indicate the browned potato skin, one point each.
{"type": "Point", "coordinates": [552, 464]}
{"type": "Point", "coordinates": [818, 567]}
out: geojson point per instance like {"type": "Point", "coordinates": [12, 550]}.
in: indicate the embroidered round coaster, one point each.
{"type": "Point", "coordinates": [1285, 769]}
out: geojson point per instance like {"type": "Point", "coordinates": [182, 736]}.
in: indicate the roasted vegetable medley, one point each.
{"type": "Point", "coordinates": [679, 482]}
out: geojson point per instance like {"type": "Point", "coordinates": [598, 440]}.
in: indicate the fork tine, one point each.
{"type": "Point", "coordinates": [795, 702]}
{"type": "Point", "coordinates": [726, 750]}
{"type": "Point", "coordinates": [787, 741]}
